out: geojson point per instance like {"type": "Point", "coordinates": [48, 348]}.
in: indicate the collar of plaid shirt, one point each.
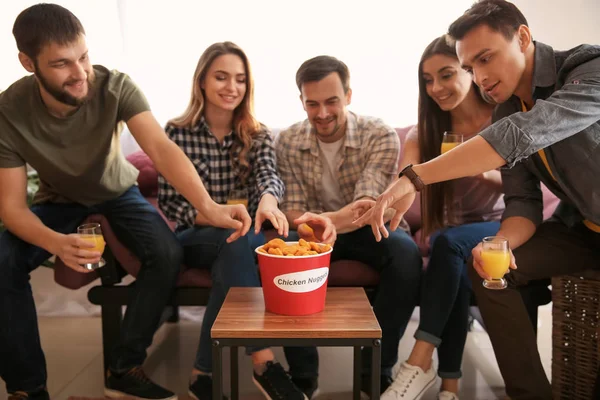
{"type": "Point", "coordinates": [203, 128]}
{"type": "Point", "coordinates": [352, 138]}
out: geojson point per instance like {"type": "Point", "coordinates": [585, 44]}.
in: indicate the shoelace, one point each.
{"type": "Point", "coordinates": [18, 396]}
{"type": "Point", "coordinates": [139, 374]}
{"type": "Point", "coordinates": [403, 380]}
{"type": "Point", "coordinates": [279, 381]}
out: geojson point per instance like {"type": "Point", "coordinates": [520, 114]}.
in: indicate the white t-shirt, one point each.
{"type": "Point", "coordinates": [331, 154]}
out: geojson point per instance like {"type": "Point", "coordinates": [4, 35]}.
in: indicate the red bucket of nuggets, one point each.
{"type": "Point", "coordinates": [294, 276]}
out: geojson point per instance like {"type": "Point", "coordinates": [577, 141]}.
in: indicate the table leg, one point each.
{"type": "Point", "coordinates": [375, 369]}
{"type": "Point", "coordinates": [233, 355]}
{"type": "Point", "coordinates": [357, 372]}
{"type": "Point", "coordinates": [217, 373]}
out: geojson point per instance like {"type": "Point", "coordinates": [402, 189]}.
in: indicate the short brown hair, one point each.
{"type": "Point", "coordinates": [319, 67]}
{"type": "Point", "coordinates": [42, 24]}
{"type": "Point", "coordinates": [500, 15]}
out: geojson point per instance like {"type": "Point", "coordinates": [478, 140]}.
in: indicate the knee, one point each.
{"type": "Point", "coordinates": [406, 257]}
{"type": "Point", "coordinates": [169, 256]}
{"type": "Point", "coordinates": [402, 246]}
{"type": "Point", "coordinates": [445, 245]}
{"type": "Point", "coordinates": [16, 260]}
{"type": "Point", "coordinates": [471, 272]}
{"type": "Point", "coordinates": [241, 244]}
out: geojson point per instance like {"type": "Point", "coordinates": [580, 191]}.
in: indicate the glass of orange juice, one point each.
{"type": "Point", "coordinates": [238, 196]}
{"type": "Point", "coordinates": [495, 256]}
{"type": "Point", "coordinates": [450, 141]}
{"type": "Point", "coordinates": [93, 233]}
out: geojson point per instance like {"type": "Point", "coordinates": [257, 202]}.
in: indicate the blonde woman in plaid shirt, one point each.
{"type": "Point", "coordinates": [231, 151]}
{"type": "Point", "coordinates": [328, 162]}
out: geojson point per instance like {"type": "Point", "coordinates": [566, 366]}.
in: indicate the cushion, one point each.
{"type": "Point", "coordinates": [148, 177]}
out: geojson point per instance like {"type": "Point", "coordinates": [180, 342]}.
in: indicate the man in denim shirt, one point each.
{"type": "Point", "coordinates": [547, 128]}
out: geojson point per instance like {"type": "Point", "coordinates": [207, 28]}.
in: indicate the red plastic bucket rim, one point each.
{"type": "Point", "coordinates": [294, 257]}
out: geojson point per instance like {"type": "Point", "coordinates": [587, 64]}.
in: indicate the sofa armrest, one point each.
{"type": "Point", "coordinates": [112, 273]}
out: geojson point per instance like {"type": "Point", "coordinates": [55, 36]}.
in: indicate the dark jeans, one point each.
{"type": "Point", "coordinates": [399, 263]}
{"type": "Point", "coordinates": [553, 250]}
{"type": "Point", "coordinates": [231, 265]}
{"type": "Point", "coordinates": [139, 227]}
{"type": "Point", "coordinates": [446, 293]}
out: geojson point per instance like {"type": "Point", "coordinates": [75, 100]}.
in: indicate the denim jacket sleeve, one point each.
{"type": "Point", "coordinates": [568, 111]}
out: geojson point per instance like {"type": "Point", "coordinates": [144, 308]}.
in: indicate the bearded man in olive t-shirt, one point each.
{"type": "Point", "coordinates": [62, 120]}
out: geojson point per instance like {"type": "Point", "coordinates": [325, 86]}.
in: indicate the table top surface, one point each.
{"type": "Point", "coordinates": [347, 314]}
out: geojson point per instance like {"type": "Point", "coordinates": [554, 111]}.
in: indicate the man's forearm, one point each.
{"type": "Point", "coordinates": [470, 158]}
{"type": "Point", "coordinates": [28, 227]}
{"type": "Point", "coordinates": [518, 230]}
{"type": "Point", "coordinates": [343, 219]}
{"type": "Point", "coordinates": [178, 170]}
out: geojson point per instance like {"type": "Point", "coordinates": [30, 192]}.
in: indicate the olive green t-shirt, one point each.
{"type": "Point", "coordinates": [78, 158]}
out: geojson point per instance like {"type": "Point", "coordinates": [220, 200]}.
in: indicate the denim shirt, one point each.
{"type": "Point", "coordinates": [565, 121]}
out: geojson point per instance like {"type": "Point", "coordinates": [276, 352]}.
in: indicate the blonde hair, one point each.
{"type": "Point", "coordinates": [245, 125]}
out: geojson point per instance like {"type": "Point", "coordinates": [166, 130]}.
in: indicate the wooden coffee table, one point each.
{"type": "Point", "coordinates": [347, 320]}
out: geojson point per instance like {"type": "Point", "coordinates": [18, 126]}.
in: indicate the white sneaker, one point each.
{"type": "Point", "coordinates": [410, 383]}
{"type": "Point", "coordinates": [446, 395]}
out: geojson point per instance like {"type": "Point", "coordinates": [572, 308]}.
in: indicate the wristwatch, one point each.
{"type": "Point", "coordinates": [412, 175]}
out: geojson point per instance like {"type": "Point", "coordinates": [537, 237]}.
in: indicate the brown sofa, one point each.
{"type": "Point", "coordinates": [193, 285]}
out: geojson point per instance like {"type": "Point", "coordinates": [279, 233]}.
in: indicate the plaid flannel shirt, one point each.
{"type": "Point", "coordinates": [213, 163]}
{"type": "Point", "coordinates": [369, 163]}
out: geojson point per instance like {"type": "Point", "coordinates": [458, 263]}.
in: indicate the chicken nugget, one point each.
{"type": "Point", "coordinates": [301, 251]}
{"type": "Point", "coordinates": [262, 250]}
{"type": "Point", "coordinates": [276, 243]}
{"type": "Point", "coordinates": [325, 248]}
{"type": "Point", "coordinates": [275, 251]}
{"type": "Point", "coordinates": [289, 250]}
{"type": "Point", "coordinates": [304, 243]}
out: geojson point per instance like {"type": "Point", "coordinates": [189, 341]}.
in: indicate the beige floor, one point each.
{"type": "Point", "coordinates": [73, 352]}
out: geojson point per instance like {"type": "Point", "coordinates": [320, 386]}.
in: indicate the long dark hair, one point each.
{"type": "Point", "coordinates": [436, 200]}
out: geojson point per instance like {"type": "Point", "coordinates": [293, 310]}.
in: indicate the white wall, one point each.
{"type": "Point", "coordinates": [380, 40]}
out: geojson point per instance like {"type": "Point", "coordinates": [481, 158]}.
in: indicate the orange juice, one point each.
{"type": "Point", "coordinates": [447, 146]}
{"type": "Point", "coordinates": [232, 202]}
{"type": "Point", "coordinates": [96, 240]}
{"type": "Point", "coordinates": [495, 262]}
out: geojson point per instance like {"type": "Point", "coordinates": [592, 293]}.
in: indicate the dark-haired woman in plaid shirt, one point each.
{"type": "Point", "coordinates": [233, 154]}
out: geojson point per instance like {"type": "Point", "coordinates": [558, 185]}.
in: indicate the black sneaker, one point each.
{"type": "Point", "coordinates": [309, 386]}
{"type": "Point", "coordinates": [276, 384]}
{"type": "Point", "coordinates": [41, 394]}
{"type": "Point", "coordinates": [135, 383]}
{"type": "Point", "coordinates": [365, 385]}
{"type": "Point", "coordinates": [202, 388]}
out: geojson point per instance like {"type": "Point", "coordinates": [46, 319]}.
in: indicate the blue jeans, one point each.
{"type": "Point", "coordinates": [399, 263]}
{"type": "Point", "coordinates": [230, 264]}
{"type": "Point", "coordinates": [446, 293]}
{"type": "Point", "coordinates": [141, 229]}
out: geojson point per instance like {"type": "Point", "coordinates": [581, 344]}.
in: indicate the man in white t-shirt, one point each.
{"type": "Point", "coordinates": [327, 162]}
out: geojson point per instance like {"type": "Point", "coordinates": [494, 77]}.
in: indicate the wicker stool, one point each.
{"type": "Point", "coordinates": [575, 330]}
